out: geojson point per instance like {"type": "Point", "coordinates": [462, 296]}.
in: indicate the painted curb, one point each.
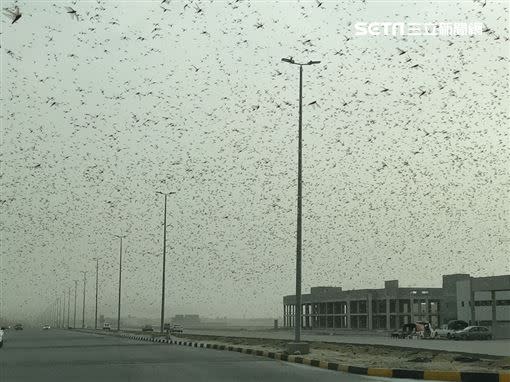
{"type": "Point", "coordinates": [431, 375]}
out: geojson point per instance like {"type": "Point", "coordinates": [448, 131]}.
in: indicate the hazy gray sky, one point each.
{"type": "Point", "coordinates": [98, 114]}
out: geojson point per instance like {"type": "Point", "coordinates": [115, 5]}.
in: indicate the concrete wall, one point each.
{"type": "Point", "coordinates": [449, 306]}
{"type": "Point", "coordinates": [481, 291]}
{"type": "Point", "coordinates": [463, 298]}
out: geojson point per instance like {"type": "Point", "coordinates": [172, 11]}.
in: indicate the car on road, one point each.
{"type": "Point", "coordinates": [46, 327]}
{"type": "Point", "coordinates": [447, 330]}
{"type": "Point", "coordinates": [473, 333]}
{"type": "Point", "coordinates": [2, 336]}
{"type": "Point", "coordinates": [107, 326]}
{"type": "Point", "coordinates": [18, 327]}
{"type": "Point", "coordinates": [147, 328]}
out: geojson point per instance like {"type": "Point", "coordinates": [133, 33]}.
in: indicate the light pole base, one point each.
{"type": "Point", "coordinates": [298, 348]}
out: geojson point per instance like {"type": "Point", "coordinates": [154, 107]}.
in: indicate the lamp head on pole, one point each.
{"type": "Point", "coordinates": [166, 193]}
{"type": "Point", "coordinates": [289, 60]}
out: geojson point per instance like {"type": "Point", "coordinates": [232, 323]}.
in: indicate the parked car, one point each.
{"type": "Point", "coordinates": [2, 336]}
{"type": "Point", "coordinates": [176, 329]}
{"type": "Point", "coordinates": [45, 327]}
{"type": "Point", "coordinates": [473, 333]}
{"type": "Point", "coordinates": [107, 326]}
{"type": "Point", "coordinates": [18, 327]}
{"type": "Point", "coordinates": [147, 328]}
{"type": "Point", "coordinates": [446, 330]}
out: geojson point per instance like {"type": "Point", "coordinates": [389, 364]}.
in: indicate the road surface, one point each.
{"type": "Point", "coordinates": [59, 355]}
{"type": "Point", "coordinates": [494, 347]}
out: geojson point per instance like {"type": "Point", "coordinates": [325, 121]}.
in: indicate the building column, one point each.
{"type": "Point", "coordinates": [333, 311]}
{"type": "Point", "coordinates": [397, 313]}
{"type": "Point", "coordinates": [369, 311]}
{"type": "Point", "coordinates": [348, 312]}
{"type": "Point", "coordinates": [411, 307]}
{"type": "Point", "coordinates": [472, 307]}
{"type": "Point", "coordinates": [388, 327]}
{"type": "Point", "coordinates": [427, 309]}
{"type": "Point", "coordinates": [494, 318]}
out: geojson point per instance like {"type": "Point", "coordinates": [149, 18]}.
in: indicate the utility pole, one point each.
{"type": "Point", "coordinates": [57, 315]}
{"type": "Point", "coordinates": [163, 281]}
{"type": "Point", "coordinates": [84, 285]}
{"type": "Point", "coordinates": [97, 284]}
{"type": "Point", "coordinates": [120, 279]}
{"type": "Point", "coordinates": [303, 348]}
{"type": "Point", "coordinates": [75, 290]}
{"type": "Point", "coordinates": [63, 309]}
{"type": "Point", "coordinates": [68, 304]}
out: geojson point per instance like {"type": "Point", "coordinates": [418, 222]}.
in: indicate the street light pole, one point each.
{"type": "Point", "coordinates": [75, 290]}
{"type": "Point", "coordinates": [298, 306]}
{"type": "Point", "coordinates": [63, 310]}
{"type": "Point", "coordinates": [58, 313]}
{"type": "Point", "coordinates": [68, 304]}
{"type": "Point", "coordinates": [120, 279]}
{"type": "Point", "coordinates": [164, 263]}
{"type": "Point", "coordinates": [83, 306]}
{"type": "Point", "coordinates": [97, 284]}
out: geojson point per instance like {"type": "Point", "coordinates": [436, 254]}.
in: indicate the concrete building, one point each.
{"type": "Point", "coordinates": [387, 308]}
{"type": "Point", "coordinates": [391, 307]}
{"type": "Point", "coordinates": [485, 301]}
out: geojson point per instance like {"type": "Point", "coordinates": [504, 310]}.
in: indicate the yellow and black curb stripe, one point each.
{"type": "Point", "coordinates": [431, 375]}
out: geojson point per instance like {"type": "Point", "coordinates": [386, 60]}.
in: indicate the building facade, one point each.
{"type": "Point", "coordinates": [485, 301]}
{"type": "Point", "coordinates": [391, 307]}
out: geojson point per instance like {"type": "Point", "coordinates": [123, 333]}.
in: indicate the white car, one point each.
{"type": "Point", "coordinates": [45, 327]}
{"type": "Point", "coordinates": [443, 332]}
{"type": "Point", "coordinates": [448, 330]}
{"type": "Point", "coordinates": [1, 337]}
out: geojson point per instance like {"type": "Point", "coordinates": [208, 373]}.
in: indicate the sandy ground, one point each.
{"type": "Point", "coordinates": [499, 347]}
{"type": "Point", "coordinates": [371, 355]}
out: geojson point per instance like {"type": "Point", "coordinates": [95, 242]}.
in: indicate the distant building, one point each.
{"type": "Point", "coordinates": [482, 300]}
{"type": "Point", "coordinates": [186, 320]}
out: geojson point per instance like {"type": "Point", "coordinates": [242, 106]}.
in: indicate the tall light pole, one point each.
{"type": "Point", "coordinates": [58, 313]}
{"type": "Point", "coordinates": [63, 309]}
{"type": "Point", "coordinates": [120, 278]}
{"type": "Point", "coordinates": [97, 284]}
{"type": "Point", "coordinates": [298, 308]}
{"type": "Point", "coordinates": [83, 306]}
{"type": "Point", "coordinates": [75, 290]}
{"type": "Point", "coordinates": [164, 262]}
{"type": "Point", "coordinates": [68, 304]}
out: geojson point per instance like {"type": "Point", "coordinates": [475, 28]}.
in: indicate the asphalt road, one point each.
{"type": "Point", "coordinates": [494, 347]}
{"type": "Point", "coordinates": [59, 355]}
